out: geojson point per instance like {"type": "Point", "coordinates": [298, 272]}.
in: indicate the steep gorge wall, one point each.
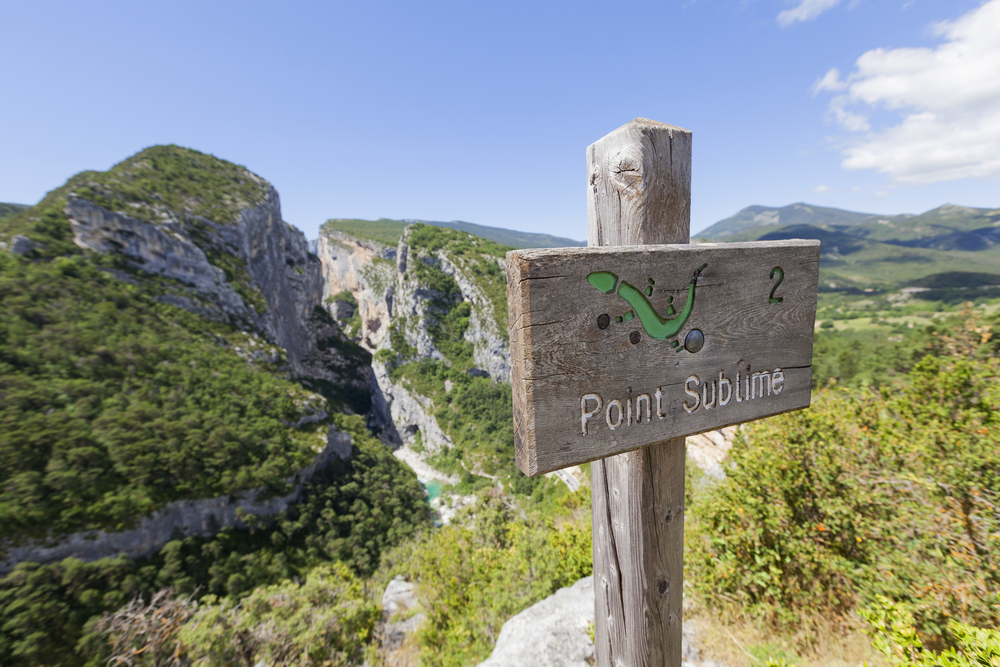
{"type": "Point", "coordinates": [266, 256]}
{"type": "Point", "coordinates": [388, 295]}
{"type": "Point", "coordinates": [256, 274]}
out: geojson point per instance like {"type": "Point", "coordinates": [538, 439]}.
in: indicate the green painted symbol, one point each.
{"type": "Point", "coordinates": [658, 327]}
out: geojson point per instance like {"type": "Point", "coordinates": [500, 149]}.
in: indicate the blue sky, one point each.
{"type": "Point", "coordinates": [483, 111]}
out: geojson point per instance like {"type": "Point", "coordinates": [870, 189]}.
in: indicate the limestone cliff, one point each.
{"type": "Point", "coordinates": [257, 273]}
{"type": "Point", "coordinates": [399, 319]}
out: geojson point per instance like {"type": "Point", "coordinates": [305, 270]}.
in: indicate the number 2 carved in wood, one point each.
{"type": "Point", "coordinates": [781, 276]}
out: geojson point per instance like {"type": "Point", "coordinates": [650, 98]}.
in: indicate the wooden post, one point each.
{"type": "Point", "coordinates": [639, 192]}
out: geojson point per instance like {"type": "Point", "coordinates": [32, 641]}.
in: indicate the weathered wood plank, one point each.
{"type": "Point", "coordinates": [639, 185]}
{"type": "Point", "coordinates": [582, 378]}
{"type": "Point", "coordinates": [639, 192]}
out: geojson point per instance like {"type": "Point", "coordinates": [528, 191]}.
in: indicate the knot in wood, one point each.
{"type": "Point", "coordinates": [626, 170]}
{"type": "Point", "coordinates": [663, 588]}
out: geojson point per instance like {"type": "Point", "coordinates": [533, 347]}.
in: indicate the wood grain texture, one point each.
{"type": "Point", "coordinates": [639, 185]}
{"type": "Point", "coordinates": [560, 354]}
{"type": "Point", "coordinates": [638, 533]}
{"type": "Point", "coordinates": [639, 192]}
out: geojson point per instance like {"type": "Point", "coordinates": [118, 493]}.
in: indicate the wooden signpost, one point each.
{"type": "Point", "coordinates": [621, 349]}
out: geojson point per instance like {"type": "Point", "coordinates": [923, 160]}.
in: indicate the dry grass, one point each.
{"type": "Point", "coordinates": [736, 641]}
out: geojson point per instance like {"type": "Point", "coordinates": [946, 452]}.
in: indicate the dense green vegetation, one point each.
{"type": "Point", "coordinates": [7, 210]}
{"type": "Point", "coordinates": [352, 512]}
{"type": "Point", "coordinates": [891, 492]}
{"type": "Point", "coordinates": [115, 404]}
{"type": "Point", "coordinates": [485, 567]}
{"type": "Point", "coordinates": [480, 257]}
{"type": "Point", "coordinates": [328, 620]}
{"type": "Point", "coordinates": [893, 633]}
{"type": "Point", "coordinates": [385, 231]}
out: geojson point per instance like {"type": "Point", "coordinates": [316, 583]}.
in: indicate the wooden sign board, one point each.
{"type": "Point", "coordinates": [618, 348]}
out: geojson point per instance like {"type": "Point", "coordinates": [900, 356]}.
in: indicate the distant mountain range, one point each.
{"type": "Point", "coordinates": [947, 227]}
{"type": "Point", "coordinates": [390, 231]}
{"type": "Point", "coordinates": [865, 250]}
{"type": "Point", "coordinates": [860, 250]}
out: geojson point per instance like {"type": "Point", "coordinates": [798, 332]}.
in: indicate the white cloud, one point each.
{"type": "Point", "coordinates": [822, 189]}
{"type": "Point", "coordinates": [946, 101]}
{"type": "Point", "coordinates": [830, 81]}
{"type": "Point", "coordinates": [805, 11]}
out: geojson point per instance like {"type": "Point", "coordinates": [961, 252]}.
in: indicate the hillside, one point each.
{"type": "Point", "coordinates": [7, 210]}
{"type": "Point", "coordinates": [170, 349]}
{"type": "Point", "coordinates": [159, 341]}
{"type": "Point", "coordinates": [862, 251]}
{"type": "Point", "coordinates": [753, 217]}
{"type": "Point", "coordinates": [389, 232]}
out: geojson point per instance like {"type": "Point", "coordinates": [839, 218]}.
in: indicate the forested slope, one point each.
{"type": "Point", "coordinates": [162, 340]}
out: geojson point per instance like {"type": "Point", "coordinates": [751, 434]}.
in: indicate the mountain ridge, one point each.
{"type": "Point", "coordinates": [389, 232]}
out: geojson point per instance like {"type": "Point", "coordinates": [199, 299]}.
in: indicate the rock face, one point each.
{"type": "Point", "coordinates": [555, 633]}
{"type": "Point", "coordinates": [550, 633]}
{"type": "Point", "coordinates": [492, 351]}
{"type": "Point", "coordinates": [345, 261]}
{"type": "Point", "coordinates": [21, 245]}
{"type": "Point", "coordinates": [408, 413]}
{"type": "Point", "coordinates": [202, 518]}
{"type": "Point", "coordinates": [708, 450]}
{"type": "Point", "coordinates": [376, 276]}
{"type": "Point", "coordinates": [268, 280]}
{"type": "Point", "coordinates": [400, 613]}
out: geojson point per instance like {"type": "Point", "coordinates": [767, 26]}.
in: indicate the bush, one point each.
{"type": "Point", "coordinates": [865, 494]}
{"type": "Point", "coordinates": [891, 627]}
{"type": "Point", "coordinates": [487, 566]}
{"type": "Point", "coordinates": [352, 511]}
{"type": "Point", "coordinates": [327, 620]}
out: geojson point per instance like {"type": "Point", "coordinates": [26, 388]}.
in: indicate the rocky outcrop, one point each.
{"type": "Point", "coordinates": [492, 351]}
{"type": "Point", "coordinates": [388, 295]}
{"type": "Point", "coordinates": [401, 614]}
{"type": "Point", "coordinates": [709, 450]}
{"type": "Point", "coordinates": [256, 273]}
{"type": "Point", "coordinates": [202, 518]}
{"type": "Point", "coordinates": [345, 262]}
{"type": "Point", "coordinates": [550, 633]}
{"type": "Point", "coordinates": [20, 245]}
{"type": "Point", "coordinates": [409, 413]}
{"type": "Point", "coordinates": [556, 633]}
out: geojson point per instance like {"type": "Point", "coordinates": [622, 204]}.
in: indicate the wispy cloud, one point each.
{"type": "Point", "coordinates": [806, 10]}
{"type": "Point", "coordinates": [946, 101]}
{"type": "Point", "coordinates": [830, 81]}
{"type": "Point", "coordinates": [822, 189]}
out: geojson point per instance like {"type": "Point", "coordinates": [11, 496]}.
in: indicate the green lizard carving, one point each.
{"type": "Point", "coordinates": [660, 328]}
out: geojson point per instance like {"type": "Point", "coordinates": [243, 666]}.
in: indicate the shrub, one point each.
{"type": "Point", "coordinates": [867, 493]}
